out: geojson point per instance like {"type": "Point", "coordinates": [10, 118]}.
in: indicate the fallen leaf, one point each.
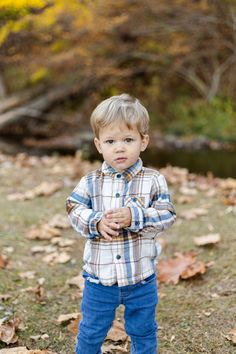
{"type": "Point", "coordinates": [175, 175]}
{"type": "Point", "coordinates": [43, 249]}
{"type": "Point", "coordinates": [67, 317]}
{"type": "Point", "coordinates": [56, 257]}
{"type": "Point", "coordinates": [191, 214]}
{"type": "Point", "coordinates": [62, 242]}
{"type": "Point", "coordinates": [73, 326]}
{"type": "Point", "coordinates": [228, 183]}
{"type": "Point", "coordinates": [117, 332]}
{"type": "Point", "coordinates": [182, 266]}
{"type": "Point", "coordinates": [109, 348]}
{"type": "Point", "coordinates": [16, 350]}
{"type": "Point", "coordinates": [39, 336]}
{"type": "Point", "coordinates": [193, 269]}
{"type": "Point", "coordinates": [231, 336]}
{"type": "Point", "coordinates": [4, 297]}
{"type": "Point", "coordinates": [24, 350]}
{"type": "Point", "coordinates": [43, 189]}
{"type": "Point", "coordinates": [38, 291]}
{"type": "Point", "coordinates": [43, 232]}
{"type": "Point", "coordinates": [207, 239]}
{"type": "Point", "coordinates": [183, 199]}
{"type": "Point", "coordinates": [77, 281]}
{"type": "Point", "coordinates": [3, 262]}
{"type": "Point", "coordinates": [8, 331]}
{"type": "Point", "coordinates": [59, 221]}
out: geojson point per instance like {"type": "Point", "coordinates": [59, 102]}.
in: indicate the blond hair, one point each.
{"type": "Point", "coordinates": [122, 108]}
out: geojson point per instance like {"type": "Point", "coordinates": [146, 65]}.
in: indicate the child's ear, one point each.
{"type": "Point", "coordinates": [145, 141]}
{"type": "Point", "coordinates": [98, 145]}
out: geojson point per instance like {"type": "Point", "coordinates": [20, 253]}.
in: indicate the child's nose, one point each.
{"type": "Point", "coordinates": [120, 146]}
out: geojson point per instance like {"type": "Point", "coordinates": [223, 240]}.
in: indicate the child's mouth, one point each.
{"type": "Point", "coordinates": [121, 159]}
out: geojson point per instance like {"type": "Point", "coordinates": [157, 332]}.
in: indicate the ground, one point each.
{"type": "Point", "coordinates": [194, 315]}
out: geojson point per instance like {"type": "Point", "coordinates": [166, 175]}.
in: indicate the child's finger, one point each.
{"type": "Point", "coordinates": [111, 231]}
{"type": "Point", "coordinates": [106, 236]}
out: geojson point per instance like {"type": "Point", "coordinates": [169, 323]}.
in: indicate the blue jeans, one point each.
{"type": "Point", "coordinates": [98, 308]}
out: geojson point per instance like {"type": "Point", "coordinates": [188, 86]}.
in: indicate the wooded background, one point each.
{"type": "Point", "coordinates": [58, 59]}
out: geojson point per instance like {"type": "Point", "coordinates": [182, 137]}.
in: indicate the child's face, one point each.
{"type": "Point", "coordinates": [120, 146]}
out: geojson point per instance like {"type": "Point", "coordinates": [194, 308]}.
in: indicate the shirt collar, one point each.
{"type": "Point", "coordinates": [129, 173]}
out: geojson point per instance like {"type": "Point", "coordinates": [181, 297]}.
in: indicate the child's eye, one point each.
{"type": "Point", "coordinates": [109, 141]}
{"type": "Point", "coordinates": [129, 140]}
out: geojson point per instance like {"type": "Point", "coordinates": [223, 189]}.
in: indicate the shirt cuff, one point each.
{"type": "Point", "coordinates": [94, 219]}
{"type": "Point", "coordinates": [137, 217]}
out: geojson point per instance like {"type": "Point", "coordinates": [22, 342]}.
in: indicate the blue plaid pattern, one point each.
{"type": "Point", "coordinates": [131, 256]}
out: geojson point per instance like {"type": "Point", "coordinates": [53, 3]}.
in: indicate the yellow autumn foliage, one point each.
{"type": "Point", "coordinates": [19, 4]}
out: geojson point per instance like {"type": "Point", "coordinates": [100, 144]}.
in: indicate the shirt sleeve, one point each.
{"type": "Point", "coordinates": [81, 215]}
{"type": "Point", "coordinates": [160, 214]}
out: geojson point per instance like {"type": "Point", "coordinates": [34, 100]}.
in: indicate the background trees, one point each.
{"type": "Point", "coordinates": [58, 58]}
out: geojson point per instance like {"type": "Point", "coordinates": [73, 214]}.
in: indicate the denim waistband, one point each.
{"type": "Point", "coordinates": [96, 280]}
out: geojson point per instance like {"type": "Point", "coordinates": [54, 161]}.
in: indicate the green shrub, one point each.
{"type": "Point", "coordinates": [215, 119]}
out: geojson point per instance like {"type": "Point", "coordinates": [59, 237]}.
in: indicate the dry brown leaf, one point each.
{"type": "Point", "coordinates": [73, 327]}
{"type": "Point", "coordinates": [229, 197]}
{"type": "Point", "coordinates": [193, 213]}
{"type": "Point", "coordinates": [38, 291]}
{"type": "Point", "coordinates": [4, 297]}
{"type": "Point", "coordinates": [8, 331]}
{"type": "Point", "coordinates": [117, 332]}
{"type": "Point", "coordinates": [43, 189]}
{"type": "Point", "coordinates": [3, 262]}
{"type": "Point", "coordinates": [67, 317]}
{"type": "Point", "coordinates": [15, 197]}
{"type": "Point", "coordinates": [62, 242]}
{"type": "Point", "coordinates": [16, 350]}
{"type": "Point", "coordinates": [228, 183]}
{"type": "Point", "coordinates": [183, 199]}
{"type": "Point", "coordinates": [207, 239]}
{"type": "Point", "coordinates": [39, 337]}
{"type": "Point", "coordinates": [43, 232]}
{"type": "Point", "coordinates": [183, 266]}
{"type": "Point", "coordinates": [56, 257]}
{"type": "Point", "coordinates": [175, 175]}
{"type": "Point", "coordinates": [59, 221]}
{"type": "Point", "coordinates": [77, 281]}
{"type": "Point", "coordinates": [47, 188]}
{"type": "Point", "coordinates": [194, 269]}
{"type": "Point", "coordinates": [108, 348]}
{"type": "Point", "coordinates": [231, 336]}
{"type": "Point", "coordinates": [43, 249]}
{"type": "Point", "coordinates": [24, 350]}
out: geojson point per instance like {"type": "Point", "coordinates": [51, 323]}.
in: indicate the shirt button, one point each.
{"type": "Point", "coordinates": [118, 175]}
{"type": "Point", "coordinates": [117, 195]}
{"type": "Point", "coordinates": [118, 257]}
{"type": "Point", "coordinates": [136, 222]}
{"type": "Point", "coordinates": [134, 199]}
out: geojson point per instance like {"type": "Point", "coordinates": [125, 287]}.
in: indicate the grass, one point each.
{"type": "Point", "coordinates": [193, 316]}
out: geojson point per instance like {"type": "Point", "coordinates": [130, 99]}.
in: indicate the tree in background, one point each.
{"type": "Point", "coordinates": [178, 56]}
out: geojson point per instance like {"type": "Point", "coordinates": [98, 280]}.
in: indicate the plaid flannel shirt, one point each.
{"type": "Point", "coordinates": [131, 256]}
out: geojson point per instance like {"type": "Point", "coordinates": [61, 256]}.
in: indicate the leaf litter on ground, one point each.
{"type": "Point", "coordinates": [188, 186]}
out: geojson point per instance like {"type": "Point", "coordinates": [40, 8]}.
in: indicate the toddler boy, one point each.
{"type": "Point", "coordinates": [120, 208]}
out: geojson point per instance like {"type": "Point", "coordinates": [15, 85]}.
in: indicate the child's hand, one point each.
{"type": "Point", "coordinates": [108, 228]}
{"type": "Point", "coordinates": [121, 216]}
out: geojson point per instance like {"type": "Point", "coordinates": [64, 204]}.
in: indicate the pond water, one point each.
{"type": "Point", "coordinates": [220, 162]}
